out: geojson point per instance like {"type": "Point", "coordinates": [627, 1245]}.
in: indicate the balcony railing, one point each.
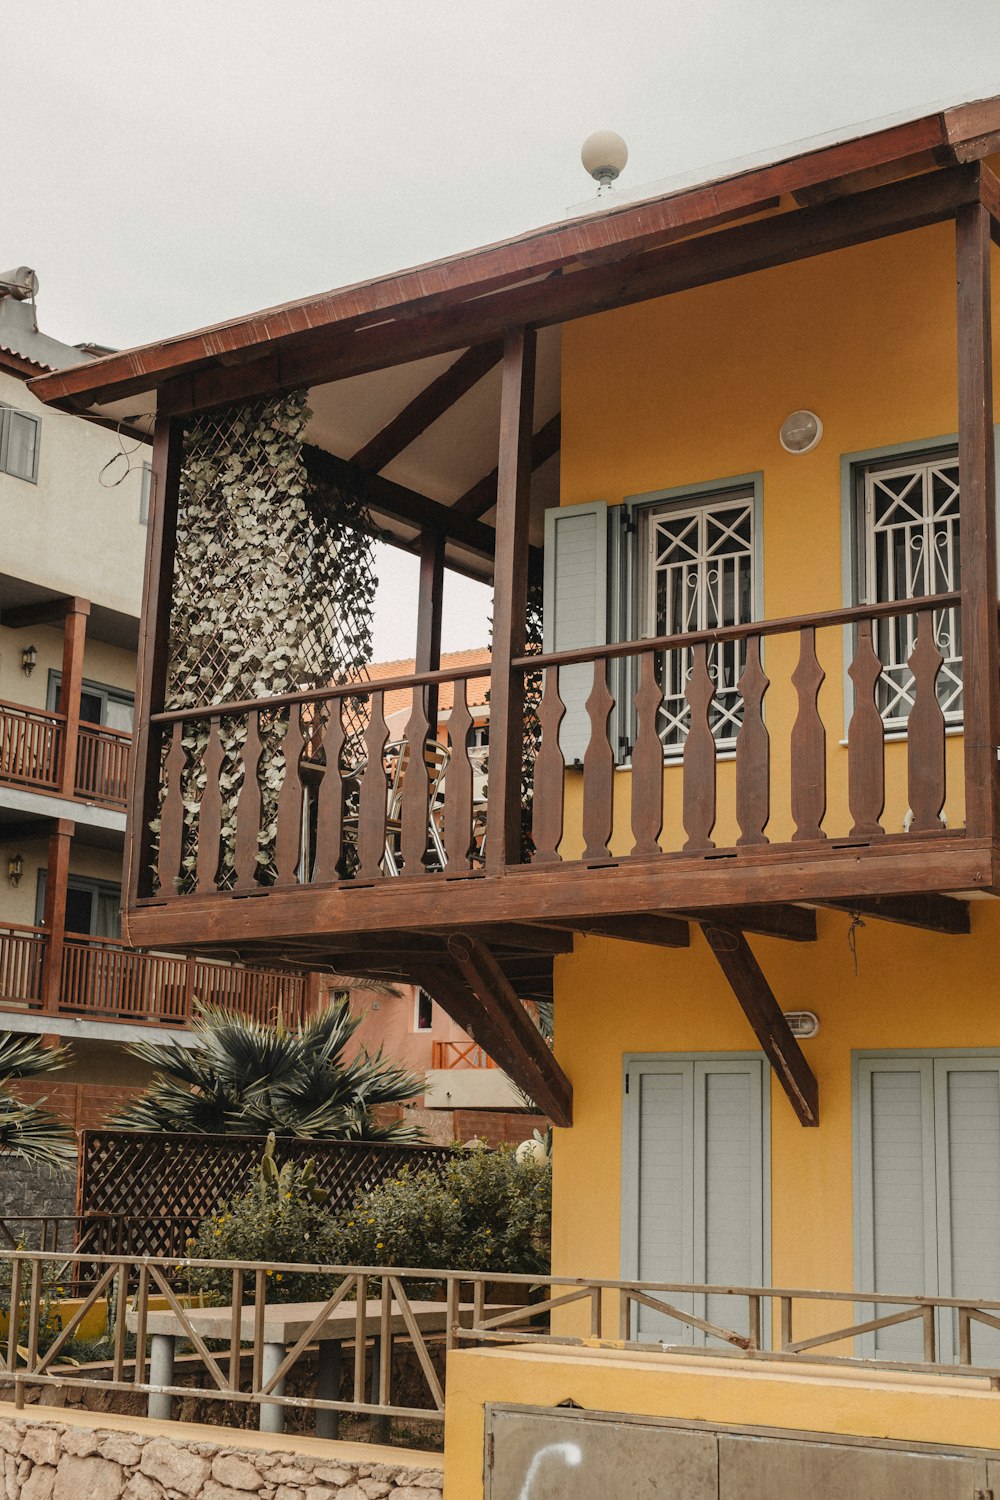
{"type": "Point", "coordinates": [102, 978]}
{"type": "Point", "coordinates": [714, 769]}
{"type": "Point", "coordinates": [446, 1055]}
{"type": "Point", "coordinates": [30, 746]}
{"type": "Point", "coordinates": [31, 752]}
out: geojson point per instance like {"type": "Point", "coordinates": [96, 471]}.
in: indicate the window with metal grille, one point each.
{"type": "Point", "coordinates": [909, 525]}
{"type": "Point", "coordinates": [699, 575]}
{"type": "Point", "coordinates": [19, 435]}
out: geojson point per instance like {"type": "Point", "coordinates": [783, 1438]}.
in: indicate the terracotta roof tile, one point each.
{"type": "Point", "coordinates": [399, 698]}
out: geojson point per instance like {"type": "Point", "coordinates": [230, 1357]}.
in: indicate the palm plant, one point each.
{"type": "Point", "coordinates": [27, 1131]}
{"type": "Point", "coordinates": [246, 1078]}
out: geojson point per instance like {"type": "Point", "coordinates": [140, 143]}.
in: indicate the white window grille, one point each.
{"type": "Point", "coordinates": [911, 513]}
{"type": "Point", "coordinates": [700, 576]}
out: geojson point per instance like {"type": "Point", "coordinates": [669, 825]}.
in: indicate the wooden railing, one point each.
{"type": "Point", "coordinates": [102, 764]}
{"type": "Point", "coordinates": [460, 1055]}
{"type": "Point", "coordinates": [248, 1343]}
{"type": "Point", "coordinates": [102, 977]}
{"type": "Point", "coordinates": [30, 746]}
{"type": "Point", "coordinates": [31, 753]}
{"type": "Point", "coordinates": [809, 766]}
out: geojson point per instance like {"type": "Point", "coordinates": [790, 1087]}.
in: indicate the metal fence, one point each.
{"type": "Point", "coordinates": [244, 1344]}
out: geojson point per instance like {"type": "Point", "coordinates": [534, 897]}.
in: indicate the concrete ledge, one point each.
{"type": "Point", "coordinates": [53, 1454]}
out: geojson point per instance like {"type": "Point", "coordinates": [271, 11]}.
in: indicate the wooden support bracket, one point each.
{"type": "Point", "coordinates": [762, 1010]}
{"type": "Point", "coordinates": [931, 912]}
{"type": "Point", "coordinates": [659, 930]}
{"type": "Point", "coordinates": [795, 923]}
{"type": "Point", "coordinates": [479, 996]}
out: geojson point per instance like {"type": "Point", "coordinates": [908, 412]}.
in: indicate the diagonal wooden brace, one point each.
{"type": "Point", "coordinates": [762, 1010]}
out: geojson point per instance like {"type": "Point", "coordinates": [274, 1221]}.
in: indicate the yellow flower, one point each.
{"type": "Point", "coordinates": [379, 1245]}
{"type": "Point", "coordinates": [279, 1277]}
{"type": "Point", "coordinates": [268, 1273]}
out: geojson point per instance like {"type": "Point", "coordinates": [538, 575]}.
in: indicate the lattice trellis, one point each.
{"type": "Point", "coordinates": [166, 1185]}
{"type": "Point", "coordinates": [274, 587]}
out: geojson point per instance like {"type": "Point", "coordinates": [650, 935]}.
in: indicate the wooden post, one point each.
{"type": "Point", "coordinates": [70, 687]}
{"type": "Point", "coordinates": [54, 917]}
{"type": "Point", "coordinates": [154, 639]}
{"type": "Point", "coordinates": [510, 600]}
{"type": "Point", "coordinates": [981, 664]}
{"type": "Point", "coordinates": [429, 610]}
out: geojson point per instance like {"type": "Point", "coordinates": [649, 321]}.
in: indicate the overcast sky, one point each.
{"type": "Point", "coordinates": [170, 163]}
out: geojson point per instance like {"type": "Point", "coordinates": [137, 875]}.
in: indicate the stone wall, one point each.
{"type": "Point", "coordinates": [57, 1458]}
{"type": "Point", "coordinates": [29, 1189]}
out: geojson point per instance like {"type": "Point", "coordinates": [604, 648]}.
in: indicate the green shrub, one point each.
{"type": "Point", "coordinates": [484, 1212]}
{"type": "Point", "coordinates": [277, 1220]}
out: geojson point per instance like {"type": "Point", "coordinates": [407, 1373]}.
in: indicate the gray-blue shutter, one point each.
{"type": "Point", "coordinates": [967, 1115]}
{"type": "Point", "coordinates": [898, 1228]}
{"type": "Point", "coordinates": [695, 1200]}
{"type": "Point", "coordinates": [575, 609]}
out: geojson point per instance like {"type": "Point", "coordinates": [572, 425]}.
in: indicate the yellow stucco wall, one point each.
{"type": "Point", "coordinates": [693, 388]}
{"type": "Point", "coordinates": [954, 1413]}
{"type": "Point", "coordinates": [912, 989]}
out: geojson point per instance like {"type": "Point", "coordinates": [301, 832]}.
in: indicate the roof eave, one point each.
{"type": "Point", "coordinates": [966, 132]}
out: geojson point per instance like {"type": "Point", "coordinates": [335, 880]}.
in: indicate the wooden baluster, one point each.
{"type": "Point", "coordinates": [547, 800]}
{"type": "Point", "coordinates": [699, 755]}
{"type": "Point", "coordinates": [330, 796]}
{"type": "Point", "coordinates": [598, 769]}
{"type": "Point", "coordinates": [288, 841]}
{"type": "Point", "coordinates": [414, 788]}
{"type": "Point", "coordinates": [172, 815]}
{"type": "Point", "coordinates": [753, 752]}
{"type": "Point", "coordinates": [866, 741]}
{"type": "Point", "coordinates": [808, 744]}
{"type": "Point", "coordinates": [247, 850]}
{"type": "Point", "coordinates": [925, 733]}
{"type": "Point", "coordinates": [372, 794]}
{"type": "Point", "coordinates": [458, 785]}
{"type": "Point", "coordinates": [647, 761]}
{"type": "Point", "coordinates": [210, 813]}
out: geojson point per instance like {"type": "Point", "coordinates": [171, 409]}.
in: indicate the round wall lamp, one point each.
{"type": "Point", "coordinates": [800, 432]}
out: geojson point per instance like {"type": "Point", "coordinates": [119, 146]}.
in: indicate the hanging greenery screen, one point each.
{"type": "Point", "coordinates": [274, 588]}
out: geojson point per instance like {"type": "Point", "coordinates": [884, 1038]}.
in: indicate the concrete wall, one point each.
{"type": "Point", "coordinates": [866, 1404]}
{"type": "Point", "coordinates": [69, 532]}
{"type": "Point", "coordinates": [53, 1455]}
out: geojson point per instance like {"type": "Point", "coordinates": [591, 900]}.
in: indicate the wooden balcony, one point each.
{"type": "Point", "coordinates": [32, 746]}
{"type": "Point", "coordinates": [101, 979]}
{"type": "Point", "coordinates": [765, 791]}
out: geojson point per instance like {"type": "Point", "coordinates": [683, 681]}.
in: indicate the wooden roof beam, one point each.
{"type": "Point", "coordinates": [431, 403]}
{"type": "Point", "coordinates": [749, 985]}
{"type": "Point", "coordinates": [483, 494]}
{"type": "Point", "coordinates": [333, 354]}
{"type": "Point", "coordinates": [795, 923]}
{"type": "Point", "coordinates": [933, 913]}
{"type": "Point", "coordinates": [386, 498]}
{"type": "Point", "coordinates": [659, 930]}
{"type": "Point", "coordinates": [524, 935]}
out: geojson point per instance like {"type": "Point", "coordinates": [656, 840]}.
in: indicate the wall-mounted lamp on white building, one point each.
{"type": "Point", "coordinates": [29, 660]}
{"type": "Point", "coordinates": [15, 869]}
